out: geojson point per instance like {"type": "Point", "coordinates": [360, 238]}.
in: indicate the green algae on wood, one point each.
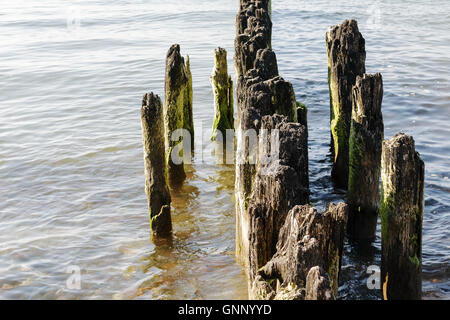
{"type": "Point", "coordinates": [283, 98]}
{"type": "Point", "coordinates": [346, 60]}
{"type": "Point", "coordinates": [365, 144]}
{"type": "Point", "coordinates": [156, 188]}
{"type": "Point", "coordinates": [302, 114]}
{"type": "Point", "coordinates": [223, 95]}
{"type": "Point", "coordinates": [401, 210]}
{"type": "Point", "coordinates": [177, 111]}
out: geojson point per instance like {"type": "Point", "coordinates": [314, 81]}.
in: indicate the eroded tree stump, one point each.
{"type": "Point", "coordinates": [156, 188]}
{"type": "Point", "coordinates": [306, 240]}
{"type": "Point", "coordinates": [223, 95]}
{"type": "Point", "coordinates": [279, 185]}
{"type": "Point", "coordinates": [346, 60]}
{"type": "Point", "coordinates": [401, 210]}
{"type": "Point", "coordinates": [366, 137]}
{"type": "Point", "coordinates": [177, 112]}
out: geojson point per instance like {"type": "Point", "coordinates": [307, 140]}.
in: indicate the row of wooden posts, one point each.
{"type": "Point", "coordinates": [160, 123]}
{"type": "Point", "coordinates": [360, 154]}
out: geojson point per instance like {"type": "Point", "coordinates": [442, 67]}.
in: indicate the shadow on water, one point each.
{"type": "Point", "coordinates": [225, 169]}
{"type": "Point", "coordinates": [184, 202]}
{"type": "Point", "coordinates": [169, 273]}
{"type": "Point", "coordinates": [357, 256]}
{"type": "Point", "coordinates": [199, 263]}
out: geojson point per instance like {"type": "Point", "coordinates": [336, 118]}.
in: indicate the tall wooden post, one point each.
{"type": "Point", "coordinates": [401, 210]}
{"type": "Point", "coordinates": [223, 94]}
{"type": "Point", "coordinates": [158, 194]}
{"type": "Point", "coordinates": [177, 110]}
{"type": "Point", "coordinates": [346, 60]}
{"type": "Point", "coordinates": [366, 137]}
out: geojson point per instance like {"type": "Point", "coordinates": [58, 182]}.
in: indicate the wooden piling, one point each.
{"type": "Point", "coordinates": [306, 240]}
{"type": "Point", "coordinates": [177, 108]}
{"type": "Point", "coordinates": [365, 144]}
{"type": "Point", "coordinates": [158, 194]}
{"type": "Point", "coordinates": [401, 210]}
{"type": "Point", "coordinates": [346, 60]}
{"type": "Point", "coordinates": [260, 92]}
{"type": "Point", "coordinates": [223, 95]}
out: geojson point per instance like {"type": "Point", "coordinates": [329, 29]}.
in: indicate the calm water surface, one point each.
{"type": "Point", "coordinates": [71, 168]}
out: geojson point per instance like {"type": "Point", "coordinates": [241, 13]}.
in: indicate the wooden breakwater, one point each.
{"type": "Point", "coordinates": [288, 249]}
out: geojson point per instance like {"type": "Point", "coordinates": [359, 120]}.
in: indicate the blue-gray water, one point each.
{"type": "Point", "coordinates": [72, 187]}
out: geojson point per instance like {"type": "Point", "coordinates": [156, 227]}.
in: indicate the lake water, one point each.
{"type": "Point", "coordinates": [71, 162]}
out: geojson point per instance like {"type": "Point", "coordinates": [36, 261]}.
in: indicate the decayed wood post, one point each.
{"type": "Point", "coordinates": [365, 144]}
{"type": "Point", "coordinates": [223, 95]}
{"type": "Point", "coordinates": [346, 60]}
{"type": "Point", "coordinates": [253, 35]}
{"type": "Point", "coordinates": [158, 194]}
{"type": "Point", "coordinates": [177, 108]}
{"type": "Point", "coordinates": [306, 240]}
{"type": "Point", "coordinates": [302, 114]}
{"type": "Point", "coordinates": [401, 210]}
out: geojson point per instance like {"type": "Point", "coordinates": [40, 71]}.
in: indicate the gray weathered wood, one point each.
{"type": "Point", "coordinates": [346, 60]}
{"type": "Point", "coordinates": [223, 95]}
{"type": "Point", "coordinates": [177, 108]}
{"type": "Point", "coordinates": [401, 210]}
{"type": "Point", "coordinates": [156, 188]}
{"type": "Point", "coordinates": [306, 240]}
{"type": "Point", "coordinates": [366, 137]}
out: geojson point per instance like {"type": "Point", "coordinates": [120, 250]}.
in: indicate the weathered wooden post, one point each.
{"type": "Point", "coordinates": [306, 240]}
{"type": "Point", "coordinates": [223, 94]}
{"type": "Point", "coordinates": [158, 194]}
{"type": "Point", "coordinates": [177, 109]}
{"type": "Point", "coordinates": [346, 60]}
{"type": "Point", "coordinates": [401, 210]}
{"type": "Point", "coordinates": [365, 144]}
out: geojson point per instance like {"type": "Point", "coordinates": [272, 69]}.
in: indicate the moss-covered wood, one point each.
{"type": "Point", "coordinates": [177, 108]}
{"type": "Point", "coordinates": [401, 210]}
{"type": "Point", "coordinates": [346, 60]}
{"type": "Point", "coordinates": [302, 114]}
{"type": "Point", "coordinates": [156, 188]}
{"type": "Point", "coordinates": [223, 95]}
{"type": "Point", "coordinates": [366, 137]}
